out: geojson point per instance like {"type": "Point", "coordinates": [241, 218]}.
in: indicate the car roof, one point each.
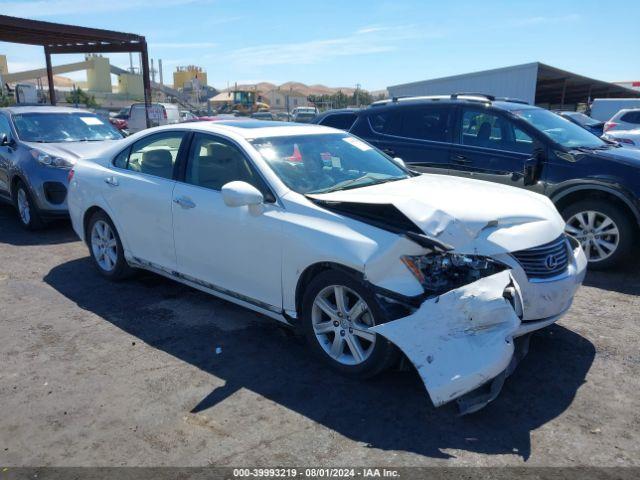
{"type": "Point", "coordinates": [18, 109]}
{"type": "Point", "coordinates": [252, 128]}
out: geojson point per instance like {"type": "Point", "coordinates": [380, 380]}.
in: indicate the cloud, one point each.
{"type": "Point", "coordinates": [46, 8]}
{"type": "Point", "coordinates": [184, 45]}
{"type": "Point", "coordinates": [364, 41]}
{"type": "Point", "coordinates": [542, 20]}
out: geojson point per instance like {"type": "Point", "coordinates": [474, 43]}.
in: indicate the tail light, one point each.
{"type": "Point", "coordinates": [70, 175]}
{"type": "Point", "coordinates": [609, 125]}
{"type": "Point", "coordinates": [164, 113]}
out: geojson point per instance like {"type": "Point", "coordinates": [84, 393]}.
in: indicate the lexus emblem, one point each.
{"type": "Point", "coordinates": [551, 262]}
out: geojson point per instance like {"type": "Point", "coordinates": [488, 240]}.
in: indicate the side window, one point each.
{"type": "Point", "coordinates": [631, 117]}
{"type": "Point", "coordinates": [480, 128]}
{"type": "Point", "coordinates": [425, 123]}
{"type": "Point", "coordinates": [122, 158]}
{"type": "Point", "coordinates": [154, 155]}
{"type": "Point", "coordinates": [387, 122]}
{"type": "Point", "coordinates": [5, 128]}
{"type": "Point", "coordinates": [343, 121]}
{"type": "Point", "coordinates": [214, 162]}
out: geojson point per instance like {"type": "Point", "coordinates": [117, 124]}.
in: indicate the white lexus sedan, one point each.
{"type": "Point", "coordinates": [317, 229]}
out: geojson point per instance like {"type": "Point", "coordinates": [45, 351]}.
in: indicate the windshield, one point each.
{"type": "Point", "coordinates": [63, 127]}
{"type": "Point", "coordinates": [559, 129]}
{"type": "Point", "coordinates": [326, 162]}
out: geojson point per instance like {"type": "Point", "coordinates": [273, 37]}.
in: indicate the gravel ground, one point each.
{"type": "Point", "coordinates": [101, 374]}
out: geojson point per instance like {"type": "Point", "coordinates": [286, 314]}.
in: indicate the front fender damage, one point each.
{"type": "Point", "coordinates": [460, 340]}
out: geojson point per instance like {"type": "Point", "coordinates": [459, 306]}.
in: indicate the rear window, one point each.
{"type": "Point", "coordinates": [631, 117]}
{"type": "Point", "coordinates": [343, 121]}
{"type": "Point", "coordinates": [421, 123]}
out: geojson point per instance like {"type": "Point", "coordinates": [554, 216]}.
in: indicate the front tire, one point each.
{"type": "Point", "coordinates": [28, 212]}
{"type": "Point", "coordinates": [106, 248]}
{"type": "Point", "coordinates": [337, 312]}
{"type": "Point", "coordinates": [603, 229]}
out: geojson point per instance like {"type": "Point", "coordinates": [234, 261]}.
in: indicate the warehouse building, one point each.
{"type": "Point", "coordinates": [535, 83]}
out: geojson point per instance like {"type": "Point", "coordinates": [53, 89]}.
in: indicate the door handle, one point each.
{"type": "Point", "coordinates": [111, 181]}
{"type": "Point", "coordinates": [461, 159]}
{"type": "Point", "coordinates": [184, 202]}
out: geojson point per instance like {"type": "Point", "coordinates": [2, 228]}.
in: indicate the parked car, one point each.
{"type": "Point", "coordinates": [159, 114]}
{"type": "Point", "coordinates": [585, 121]}
{"type": "Point", "coordinates": [339, 241]}
{"type": "Point", "coordinates": [626, 138]}
{"type": "Point", "coordinates": [625, 119]}
{"type": "Point", "coordinates": [341, 119]}
{"type": "Point", "coordinates": [283, 116]}
{"type": "Point", "coordinates": [38, 146]}
{"type": "Point", "coordinates": [268, 116]}
{"type": "Point", "coordinates": [303, 117]}
{"type": "Point", "coordinates": [595, 185]}
{"type": "Point", "coordinates": [122, 114]}
{"type": "Point", "coordinates": [187, 116]}
{"type": "Point", "coordinates": [307, 109]}
{"type": "Point", "coordinates": [604, 108]}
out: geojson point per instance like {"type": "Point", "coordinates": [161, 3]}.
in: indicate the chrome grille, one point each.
{"type": "Point", "coordinates": [545, 261]}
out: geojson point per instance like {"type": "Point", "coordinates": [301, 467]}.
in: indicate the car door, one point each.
{"type": "Point", "coordinates": [489, 146]}
{"type": "Point", "coordinates": [6, 153]}
{"type": "Point", "coordinates": [139, 193]}
{"type": "Point", "coordinates": [420, 135]}
{"type": "Point", "coordinates": [228, 249]}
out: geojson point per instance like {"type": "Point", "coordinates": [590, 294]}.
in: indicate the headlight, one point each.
{"type": "Point", "coordinates": [50, 160]}
{"type": "Point", "coordinates": [439, 273]}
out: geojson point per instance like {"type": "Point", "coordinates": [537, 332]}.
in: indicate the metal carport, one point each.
{"type": "Point", "coordinates": [60, 38]}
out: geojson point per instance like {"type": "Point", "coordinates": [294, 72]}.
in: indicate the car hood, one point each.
{"type": "Point", "coordinates": [73, 151]}
{"type": "Point", "coordinates": [628, 156]}
{"type": "Point", "coordinates": [472, 216]}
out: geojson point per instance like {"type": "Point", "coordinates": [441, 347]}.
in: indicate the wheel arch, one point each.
{"type": "Point", "coordinates": [86, 218]}
{"type": "Point", "coordinates": [594, 191]}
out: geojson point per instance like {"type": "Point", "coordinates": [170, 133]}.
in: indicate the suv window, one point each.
{"type": "Point", "coordinates": [154, 155]}
{"type": "Point", "coordinates": [343, 121]}
{"type": "Point", "coordinates": [480, 128]}
{"type": "Point", "coordinates": [213, 162]}
{"type": "Point", "coordinates": [631, 117]}
{"type": "Point", "coordinates": [425, 123]}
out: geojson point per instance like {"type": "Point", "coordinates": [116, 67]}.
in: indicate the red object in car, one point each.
{"type": "Point", "coordinates": [119, 123]}
{"type": "Point", "coordinates": [609, 125]}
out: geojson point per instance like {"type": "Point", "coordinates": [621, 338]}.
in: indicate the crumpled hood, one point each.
{"type": "Point", "coordinates": [472, 216]}
{"type": "Point", "coordinates": [629, 156]}
{"type": "Point", "coordinates": [73, 151]}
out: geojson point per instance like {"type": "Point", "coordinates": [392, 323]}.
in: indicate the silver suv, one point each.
{"type": "Point", "coordinates": [38, 147]}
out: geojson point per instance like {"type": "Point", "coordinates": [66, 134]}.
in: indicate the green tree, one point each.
{"type": "Point", "coordinates": [79, 97]}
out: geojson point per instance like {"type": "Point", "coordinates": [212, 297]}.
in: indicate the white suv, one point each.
{"type": "Point", "coordinates": [625, 119]}
{"type": "Point", "coordinates": [317, 229]}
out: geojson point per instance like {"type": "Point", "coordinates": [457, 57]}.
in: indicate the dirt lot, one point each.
{"type": "Point", "coordinates": [95, 373]}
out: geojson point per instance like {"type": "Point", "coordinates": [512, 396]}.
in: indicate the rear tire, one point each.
{"type": "Point", "coordinates": [337, 329]}
{"type": "Point", "coordinates": [604, 230]}
{"type": "Point", "coordinates": [28, 212]}
{"type": "Point", "coordinates": [106, 249]}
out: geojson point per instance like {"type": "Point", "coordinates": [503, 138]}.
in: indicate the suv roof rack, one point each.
{"type": "Point", "coordinates": [512, 100]}
{"type": "Point", "coordinates": [454, 96]}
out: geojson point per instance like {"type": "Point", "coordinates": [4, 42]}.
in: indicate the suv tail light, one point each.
{"type": "Point", "coordinates": [164, 113]}
{"type": "Point", "coordinates": [70, 175]}
{"type": "Point", "coordinates": [609, 125]}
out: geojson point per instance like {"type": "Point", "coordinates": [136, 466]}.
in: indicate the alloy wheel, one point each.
{"type": "Point", "coordinates": [24, 209]}
{"type": "Point", "coordinates": [341, 320]}
{"type": "Point", "coordinates": [597, 233]}
{"type": "Point", "coordinates": [104, 245]}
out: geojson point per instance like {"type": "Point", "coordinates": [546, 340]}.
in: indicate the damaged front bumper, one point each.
{"type": "Point", "coordinates": [463, 340]}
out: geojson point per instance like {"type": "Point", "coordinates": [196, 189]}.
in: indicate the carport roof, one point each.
{"type": "Point", "coordinates": [554, 85]}
{"type": "Point", "coordinates": [61, 38]}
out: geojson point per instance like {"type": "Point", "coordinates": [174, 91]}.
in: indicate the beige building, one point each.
{"type": "Point", "coordinates": [4, 68]}
{"type": "Point", "coordinates": [283, 100]}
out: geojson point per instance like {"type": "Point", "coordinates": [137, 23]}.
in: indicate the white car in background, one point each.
{"type": "Point", "coordinates": [626, 138]}
{"type": "Point", "coordinates": [317, 229]}
{"type": "Point", "coordinates": [626, 119]}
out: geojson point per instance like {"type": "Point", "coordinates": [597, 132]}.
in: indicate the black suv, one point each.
{"type": "Point", "coordinates": [594, 184]}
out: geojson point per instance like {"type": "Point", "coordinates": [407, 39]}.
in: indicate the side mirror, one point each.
{"type": "Point", "coordinates": [239, 194]}
{"type": "Point", "coordinates": [399, 161]}
{"type": "Point", "coordinates": [4, 141]}
{"type": "Point", "coordinates": [530, 174]}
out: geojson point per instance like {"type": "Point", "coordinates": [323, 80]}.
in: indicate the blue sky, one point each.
{"type": "Point", "coordinates": [342, 43]}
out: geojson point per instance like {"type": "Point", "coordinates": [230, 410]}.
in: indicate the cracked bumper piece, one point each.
{"type": "Point", "coordinates": [460, 340]}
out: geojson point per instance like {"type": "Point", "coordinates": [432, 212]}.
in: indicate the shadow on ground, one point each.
{"type": "Point", "coordinates": [390, 412]}
{"type": "Point", "coordinates": [12, 233]}
{"type": "Point", "coordinates": [623, 279]}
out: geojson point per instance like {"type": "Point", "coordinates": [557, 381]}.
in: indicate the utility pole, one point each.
{"type": "Point", "coordinates": [358, 95]}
